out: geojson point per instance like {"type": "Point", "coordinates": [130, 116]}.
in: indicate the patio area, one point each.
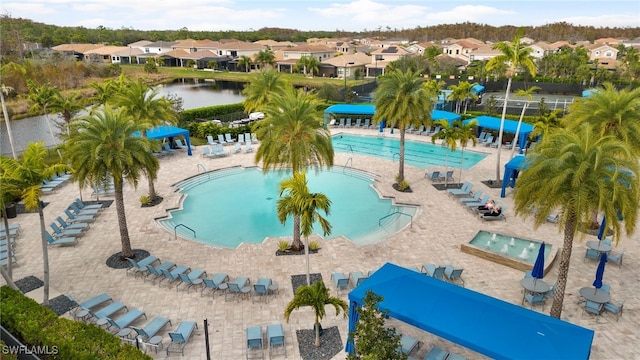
{"type": "Point", "coordinates": [434, 236]}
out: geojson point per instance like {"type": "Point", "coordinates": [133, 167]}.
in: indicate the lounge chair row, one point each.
{"type": "Point", "coordinates": [473, 200]}
{"type": "Point", "coordinates": [348, 123]}
{"type": "Point", "coordinates": [226, 139]}
{"type": "Point", "coordinates": [342, 281]}
{"type": "Point", "coordinates": [101, 309]}
{"type": "Point", "coordinates": [409, 343]}
{"type": "Point", "coordinates": [53, 184]}
{"type": "Point", "coordinates": [67, 232]}
{"type": "Point", "coordinates": [424, 130]}
{"type": "Point", "coordinates": [444, 272]}
{"type": "Point", "coordinates": [255, 341]}
{"type": "Point", "coordinates": [8, 243]}
{"type": "Point", "coordinates": [437, 176]}
{"type": "Point", "coordinates": [150, 268]}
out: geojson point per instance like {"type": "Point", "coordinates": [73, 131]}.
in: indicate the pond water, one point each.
{"type": "Point", "coordinates": [195, 93]}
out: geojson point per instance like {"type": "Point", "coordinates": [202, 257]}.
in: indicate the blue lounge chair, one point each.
{"type": "Point", "coordinates": [79, 212]}
{"type": "Point", "coordinates": [83, 206]}
{"type": "Point", "coordinates": [210, 140]}
{"type": "Point", "coordinates": [152, 328]}
{"type": "Point", "coordinates": [236, 148]}
{"type": "Point", "coordinates": [474, 204]}
{"type": "Point", "coordinates": [453, 275]}
{"type": "Point", "coordinates": [206, 152]}
{"type": "Point", "coordinates": [340, 280]}
{"type": "Point", "coordinates": [238, 287]}
{"type": "Point", "coordinates": [358, 123]}
{"type": "Point", "coordinates": [434, 271]}
{"type": "Point", "coordinates": [4, 259]}
{"type": "Point", "coordinates": [109, 310]}
{"type": "Point", "coordinates": [254, 340]}
{"type": "Point", "coordinates": [180, 337]}
{"type": "Point", "coordinates": [407, 343]}
{"type": "Point", "coordinates": [173, 275]}
{"type": "Point", "coordinates": [449, 176]}
{"type": "Point", "coordinates": [241, 139]}
{"type": "Point", "coordinates": [140, 267]}
{"type": "Point", "coordinates": [214, 283]}
{"type": "Point", "coordinates": [435, 176]}
{"type": "Point", "coordinates": [614, 308]}
{"type": "Point", "coordinates": [454, 356]}
{"type": "Point", "coordinates": [228, 139]}
{"type": "Point", "coordinates": [464, 190]}
{"type": "Point", "coordinates": [67, 226]}
{"type": "Point", "coordinates": [248, 147]}
{"type": "Point", "coordinates": [12, 233]}
{"type": "Point", "coordinates": [156, 272]}
{"type": "Point", "coordinates": [92, 302]}
{"type": "Point", "coordinates": [167, 149]}
{"type": "Point", "coordinates": [476, 197]}
{"type": "Point", "coordinates": [220, 140]}
{"type": "Point", "coordinates": [61, 240]}
{"type": "Point", "coordinates": [254, 138]}
{"type": "Point", "coordinates": [261, 288]}
{"type": "Point", "coordinates": [192, 279]}
{"type": "Point", "coordinates": [535, 299]}
{"type": "Point", "coordinates": [180, 145]}
{"type": "Point", "coordinates": [57, 232]}
{"type": "Point", "coordinates": [218, 151]}
{"type": "Point", "coordinates": [357, 277]}
{"type": "Point", "coordinates": [436, 353]}
{"type": "Point", "coordinates": [15, 227]}
{"type": "Point", "coordinates": [275, 335]}
{"type": "Point", "coordinates": [125, 320]}
{"type": "Point", "coordinates": [75, 218]}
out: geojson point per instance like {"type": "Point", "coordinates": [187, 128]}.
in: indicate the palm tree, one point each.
{"type": "Point", "coordinates": [6, 90]}
{"type": "Point", "coordinates": [462, 93]}
{"type": "Point", "coordinates": [245, 61]}
{"type": "Point", "coordinates": [317, 297]}
{"type": "Point", "coordinates": [42, 97]}
{"type": "Point", "coordinates": [29, 173]}
{"type": "Point", "coordinates": [262, 86]}
{"type": "Point", "coordinates": [102, 146]}
{"type": "Point", "coordinates": [579, 171]}
{"type": "Point", "coordinates": [308, 63]}
{"type": "Point", "coordinates": [265, 57]}
{"type": "Point", "coordinates": [297, 200]}
{"type": "Point", "coordinates": [449, 135]}
{"type": "Point", "coordinates": [9, 191]}
{"type": "Point", "coordinates": [293, 137]}
{"type": "Point", "coordinates": [545, 125]}
{"type": "Point", "coordinates": [142, 103]}
{"type": "Point", "coordinates": [528, 94]}
{"type": "Point", "coordinates": [402, 100]}
{"type": "Point", "coordinates": [67, 106]}
{"type": "Point", "coordinates": [466, 133]}
{"type": "Point", "coordinates": [515, 55]}
{"type": "Point", "coordinates": [611, 112]}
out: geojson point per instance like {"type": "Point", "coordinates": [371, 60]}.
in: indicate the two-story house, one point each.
{"type": "Point", "coordinates": [291, 55]}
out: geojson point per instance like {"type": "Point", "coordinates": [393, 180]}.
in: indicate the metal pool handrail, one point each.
{"type": "Point", "coordinates": [400, 213]}
{"type": "Point", "coordinates": [347, 163]}
{"type": "Point", "coordinates": [175, 231]}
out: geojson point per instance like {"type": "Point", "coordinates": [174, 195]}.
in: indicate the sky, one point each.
{"type": "Point", "coordinates": [305, 15]}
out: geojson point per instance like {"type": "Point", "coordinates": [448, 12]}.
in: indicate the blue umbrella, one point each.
{"type": "Point", "coordinates": [538, 266]}
{"type": "Point", "coordinates": [600, 272]}
{"type": "Point", "coordinates": [353, 320]}
{"type": "Point", "coordinates": [603, 226]}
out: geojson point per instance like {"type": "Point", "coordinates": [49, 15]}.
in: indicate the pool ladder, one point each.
{"type": "Point", "coordinates": [175, 231]}
{"type": "Point", "coordinates": [393, 158]}
{"type": "Point", "coordinates": [399, 213]}
{"type": "Point", "coordinates": [204, 170]}
{"type": "Point", "coordinates": [349, 160]}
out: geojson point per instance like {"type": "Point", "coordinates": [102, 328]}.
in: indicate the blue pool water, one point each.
{"type": "Point", "coordinates": [417, 153]}
{"type": "Point", "coordinates": [228, 207]}
{"type": "Point", "coordinates": [517, 248]}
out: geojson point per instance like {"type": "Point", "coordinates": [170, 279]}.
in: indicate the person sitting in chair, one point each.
{"type": "Point", "coordinates": [486, 207]}
{"type": "Point", "coordinates": [495, 211]}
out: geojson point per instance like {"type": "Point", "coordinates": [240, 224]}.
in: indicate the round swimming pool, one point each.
{"type": "Point", "coordinates": [228, 207]}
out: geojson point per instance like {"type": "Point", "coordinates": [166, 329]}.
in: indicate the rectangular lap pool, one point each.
{"type": "Point", "coordinates": [417, 153]}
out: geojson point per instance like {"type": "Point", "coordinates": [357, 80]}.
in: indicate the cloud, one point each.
{"type": "Point", "coordinates": [371, 14]}
{"type": "Point", "coordinates": [471, 13]}
{"type": "Point", "coordinates": [603, 20]}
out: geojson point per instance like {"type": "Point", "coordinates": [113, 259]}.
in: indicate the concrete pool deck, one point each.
{"type": "Point", "coordinates": [435, 236]}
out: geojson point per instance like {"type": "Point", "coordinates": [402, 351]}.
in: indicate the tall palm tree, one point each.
{"type": "Point", "coordinates": [527, 93]}
{"type": "Point", "coordinates": [144, 105]}
{"type": "Point", "coordinates": [317, 297]}
{"type": "Point", "coordinates": [466, 133]}
{"type": "Point", "coordinates": [462, 93]}
{"type": "Point", "coordinates": [402, 100]}
{"type": "Point", "coordinates": [262, 86]}
{"type": "Point", "coordinates": [449, 135]}
{"type": "Point", "coordinates": [68, 106]}
{"type": "Point", "coordinates": [297, 200]}
{"type": "Point", "coordinates": [516, 56]}
{"type": "Point", "coordinates": [102, 146]}
{"type": "Point", "coordinates": [9, 191]}
{"type": "Point", "coordinates": [6, 90]}
{"type": "Point", "coordinates": [265, 57]}
{"type": "Point", "coordinates": [293, 137]}
{"type": "Point", "coordinates": [579, 171]}
{"type": "Point", "coordinates": [29, 173]}
{"type": "Point", "coordinates": [308, 63]}
{"type": "Point", "coordinates": [546, 124]}
{"type": "Point", "coordinates": [245, 62]}
{"type": "Point", "coordinates": [42, 97]}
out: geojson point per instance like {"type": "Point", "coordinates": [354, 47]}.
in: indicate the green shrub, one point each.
{"type": "Point", "coordinates": [283, 245]}
{"type": "Point", "coordinates": [314, 245]}
{"type": "Point", "coordinates": [210, 112]}
{"type": "Point", "coordinates": [36, 325]}
{"type": "Point", "coordinates": [145, 199]}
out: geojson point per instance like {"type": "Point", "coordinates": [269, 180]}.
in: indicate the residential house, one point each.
{"type": "Point", "coordinates": [128, 56]}
{"type": "Point", "coordinates": [461, 49]}
{"type": "Point", "coordinates": [602, 52]}
{"type": "Point", "coordinates": [609, 41]}
{"type": "Point", "coordinates": [291, 55]}
{"type": "Point", "coordinates": [76, 50]}
{"type": "Point", "coordinates": [482, 53]}
{"type": "Point", "coordinates": [276, 45]}
{"type": "Point", "coordinates": [380, 58]}
{"type": "Point", "coordinates": [419, 48]}
{"type": "Point", "coordinates": [345, 66]}
{"type": "Point", "coordinates": [542, 49]}
{"type": "Point", "coordinates": [104, 54]}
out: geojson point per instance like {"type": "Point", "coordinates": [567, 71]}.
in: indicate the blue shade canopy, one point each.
{"type": "Point", "coordinates": [597, 283]}
{"type": "Point", "coordinates": [538, 266]}
{"type": "Point", "coordinates": [490, 326]}
{"type": "Point", "coordinates": [513, 167]}
{"type": "Point", "coordinates": [169, 131]}
{"type": "Point", "coordinates": [510, 126]}
{"type": "Point", "coordinates": [477, 89]}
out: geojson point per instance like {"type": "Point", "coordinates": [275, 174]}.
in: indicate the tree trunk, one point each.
{"type": "Point", "coordinates": [8, 241]}
{"type": "Point", "coordinates": [152, 189]}
{"type": "Point", "coordinates": [446, 168]}
{"type": "Point", "coordinates": [8, 122]}
{"type": "Point", "coordinates": [461, 162]}
{"type": "Point", "coordinates": [504, 113]}
{"type": "Point", "coordinates": [317, 332]}
{"type": "Point", "coordinates": [401, 157]}
{"type": "Point", "coordinates": [515, 138]}
{"type": "Point", "coordinates": [122, 219]}
{"type": "Point", "coordinates": [563, 270]}
{"type": "Point", "coordinates": [6, 277]}
{"type": "Point", "coordinates": [297, 244]}
{"type": "Point", "coordinates": [306, 252]}
{"type": "Point", "coordinates": [45, 257]}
